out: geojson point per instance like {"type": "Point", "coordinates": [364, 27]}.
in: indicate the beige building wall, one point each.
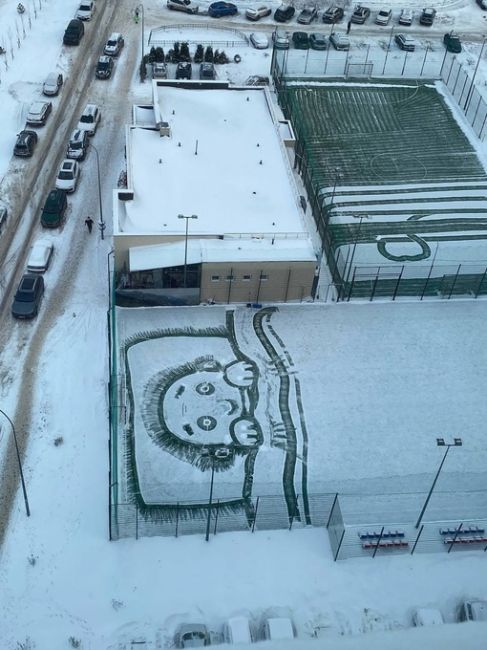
{"type": "Point", "coordinates": [257, 282]}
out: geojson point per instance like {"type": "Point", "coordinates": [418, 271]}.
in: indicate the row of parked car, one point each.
{"type": "Point", "coordinates": [243, 630]}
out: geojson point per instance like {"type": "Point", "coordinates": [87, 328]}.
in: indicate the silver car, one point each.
{"type": "Point", "coordinates": [38, 113]}
{"type": "Point", "coordinates": [308, 14]}
{"type": "Point", "coordinates": [281, 40]}
{"type": "Point", "coordinates": [192, 635]}
{"type": "Point", "coordinates": [339, 41]}
{"type": "Point", "coordinates": [52, 84]}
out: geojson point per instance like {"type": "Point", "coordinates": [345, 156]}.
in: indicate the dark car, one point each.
{"type": "Point", "coordinates": [482, 4]}
{"type": "Point", "coordinates": [452, 42]}
{"type": "Point", "coordinates": [54, 209]}
{"type": "Point", "coordinates": [74, 32]}
{"type": "Point", "coordinates": [284, 13]}
{"type": "Point", "coordinates": [427, 16]}
{"type": "Point", "coordinates": [300, 40]}
{"type": "Point", "coordinates": [207, 71]}
{"type": "Point", "coordinates": [104, 67]}
{"type": "Point", "coordinates": [28, 296]}
{"type": "Point", "coordinates": [184, 70]}
{"type": "Point", "coordinates": [360, 14]}
{"type": "Point", "coordinates": [318, 42]}
{"type": "Point", "coordinates": [405, 42]}
{"type": "Point", "coordinates": [219, 9]}
{"type": "Point", "coordinates": [26, 142]}
{"type": "Point", "coordinates": [332, 15]}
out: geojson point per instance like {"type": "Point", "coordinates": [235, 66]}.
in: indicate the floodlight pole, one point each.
{"type": "Point", "coordinates": [101, 224]}
{"type": "Point", "coordinates": [457, 442]}
{"type": "Point", "coordinates": [188, 217]}
{"type": "Point", "coordinates": [24, 490]}
{"type": "Point", "coordinates": [140, 8]}
{"type": "Point", "coordinates": [353, 249]}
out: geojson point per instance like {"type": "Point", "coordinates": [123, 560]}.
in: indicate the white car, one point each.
{"type": "Point", "coordinates": [68, 175]}
{"type": "Point", "coordinates": [406, 17]}
{"type": "Point", "coordinates": [259, 41]}
{"type": "Point", "coordinates": [383, 17]}
{"type": "Point", "coordinates": [186, 6]}
{"type": "Point", "coordinates": [278, 629]}
{"type": "Point", "coordinates": [40, 256]}
{"type": "Point", "coordinates": [339, 41]}
{"type": "Point", "coordinates": [89, 119]}
{"type": "Point", "coordinates": [258, 13]}
{"type": "Point", "coordinates": [237, 631]}
{"type": "Point", "coordinates": [86, 10]}
{"type": "Point", "coordinates": [425, 616]}
{"type": "Point", "coordinates": [52, 84]}
{"type": "Point", "coordinates": [38, 113]}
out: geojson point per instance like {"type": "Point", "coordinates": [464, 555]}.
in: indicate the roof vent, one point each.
{"type": "Point", "coordinates": [164, 129]}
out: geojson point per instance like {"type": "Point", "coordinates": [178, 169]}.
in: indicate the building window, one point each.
{"type": "Point", "coordinates": [264, 276]}
{"type": "Point", "coordinates": [246, 277]}
{"type": "Point", "coordinates": [230, 278]}
{"type": "Point", "coordinates": [215, 278]}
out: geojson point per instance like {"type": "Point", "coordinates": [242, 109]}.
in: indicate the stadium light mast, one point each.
{"type": "Point", "coordinates": [470, 90]}
{"type": "Point", "coordinates": [457, 442]}
{"type": "Point", "coordinates": [182, 216]}
{"type": "Point", "coordinates": [19, 462]}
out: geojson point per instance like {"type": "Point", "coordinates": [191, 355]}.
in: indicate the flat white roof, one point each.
{"type": "Point", "coordinates": [143, 258]}
{"type": "Point", "coordinates": [224, 162]}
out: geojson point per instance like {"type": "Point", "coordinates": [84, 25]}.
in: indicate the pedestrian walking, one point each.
{"type": "Point", "coordinates": [349, 26]}
{"type": "Point", "coordinates": [89, 223]}
{"type": "Point", "coordinates": [136, 15]}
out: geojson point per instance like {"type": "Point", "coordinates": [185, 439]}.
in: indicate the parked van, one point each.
{"type": "Point", "coordinates": [74, 32]}
{"type": "Point", "coordinates": [237, 630]}
{"type": "Point", "coordinates": [78, 145]}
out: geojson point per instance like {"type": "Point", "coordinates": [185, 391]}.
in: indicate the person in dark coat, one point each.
{"type": "Point", "coordinates": [89, 223]}
{"type": "Point", "coordinates": [349, 26]}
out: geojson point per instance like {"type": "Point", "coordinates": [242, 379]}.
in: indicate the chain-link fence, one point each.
{"type": "Point", "coordinates": [267, 512]}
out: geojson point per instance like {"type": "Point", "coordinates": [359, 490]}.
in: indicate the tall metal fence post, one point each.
{"type": "Point", "coordinates": [216, 516]}
{"type": "Point", "coordinates": [372, 293]}
{"type": "Point", "coordinates": [378, 542]}
{"type": "Point", "coordinates": [454, 282]}
{"type": "Point", "coordinates": [332, 508]}
{"type": "Point", "coordinates": [480, 283]}
{"type": "Point", "coordinates": [255, 513]}
{"type": "Point", "coordinates": [454, 539]}
{"type": "Point", "coordinates": [396, 288]}
{"type": "Point", "coordinates": [417, 539]}
{"type": "Point", "coordinates": [339, 546]}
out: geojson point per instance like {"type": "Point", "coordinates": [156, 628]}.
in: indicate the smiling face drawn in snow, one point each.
{"type": "Point", "coordinates": [214, 405]}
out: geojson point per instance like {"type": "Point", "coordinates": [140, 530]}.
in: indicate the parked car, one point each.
{"type": "Point", "coordinates": [207, 71]}
{"type": "Point", "coordinates": [257, 14]}
{"type": "Point", "coordinates": [427, 16]}
{"type": "Point", "coordinates": [187, 6]}
{"type": "Point", "coordinates": [482, 4]}
{"type": "Point", "coordinates": [425, 616]}
{"type": "Point", "coordinates": [308, 14]}
{"type": "Point", "coordinates": [3, 217]}
{"type": "Point", "coordinates": [28, 296]}
{"type": "Point", "coordinates": [301, 40]}
{"type": "Point", "coordinates": [278, 629]}
{"type": "Point", "coordinates": [383, 17]}
{"type": "Point", "coordinates": [406, 17]}
{"type": "Point", "coordinates": [68, 176]}
{"type": "Point", "coordinates": [259, 40]}
{"type": "Point", "coordinates": [114, 44]}
{"type": "Point", "coordinates": [184, 70]}
{"type": "Point", "coordinates": [360, 15]}
{"type": "Point", "coordinates": [40, 256]}
{"type": "Point", "coordinates": [104, 67]}
{"type": "Point", "coordinates": [54, 209]}
{"type": "Point", "coordinates": [52, 84]}
{"type": "Point", "coordinates": [78, 145]}
{"type": "Point", "coordinates": [452, 42]}
{"type": "Point", "coordinates": [25, 143]}
{"type": "Point", "coordinates": [339, 41]}
{"type": "Point", "coordinates": [191, 635]}
{"type": "Point", "coordinates": [220, 9]}
{"type": "Point", "coordinates": [38, 113]}
{"type": "Point", "coordinates": [237, 630]}
{"type": "Point", "coordinates": [332, 15]}
{"type": "Point", "coordinates": [86, 10]}
{"type": "Point", "coordinates": [74, 32]}
{"type": "Point", "coordinates": [318, 42]}
{"type": "Point", "coordinates": [159, 70]}
{"type": "Point", "coordinates": [89, 119]}
{"type": "Point", "coordinates": [473, 610]}
{"type": "Point", "coordinates": [284, 13]}
{"type": "Point", "coordinates": [281, 40]}
{"type": "Point", "coordinates": [405, 42]}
